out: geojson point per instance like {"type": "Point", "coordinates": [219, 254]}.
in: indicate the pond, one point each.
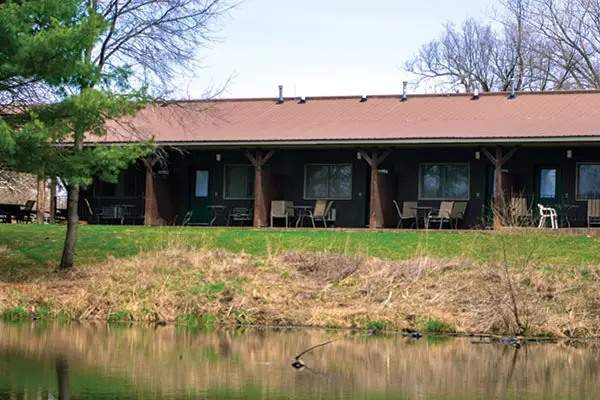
{"type": "Point", "coordinates": [101, 361]}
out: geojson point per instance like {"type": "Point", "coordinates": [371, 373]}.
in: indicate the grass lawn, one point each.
{"type": "Point", "coordinates": [25, 248]}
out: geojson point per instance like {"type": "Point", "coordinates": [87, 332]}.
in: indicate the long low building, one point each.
{"type": "Point", "coordinates": [362, 153]}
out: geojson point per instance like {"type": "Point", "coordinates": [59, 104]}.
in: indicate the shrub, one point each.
{"type": "Point", "coordinates": [118, 316]}
{"type": "Point", "coordinates": [15, 313]}
{"type": "Point", "coordinates": [437, 326]}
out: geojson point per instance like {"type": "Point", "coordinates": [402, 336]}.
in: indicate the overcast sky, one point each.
{"type": "Point", "coordinates": [323, 47]}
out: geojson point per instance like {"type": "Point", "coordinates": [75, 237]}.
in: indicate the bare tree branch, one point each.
{"type": "Point", "coordinates": [541, 45]}
{"type": "Point", "coordinates": [159, 39]}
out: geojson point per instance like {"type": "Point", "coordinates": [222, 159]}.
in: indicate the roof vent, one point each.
{"type": "Point", "coordinates": [404, 85]}
{"type": "Point", "coordinates": [280, 95]}
{"type": "Point", "coordinates": [512, 89]}
{"type": "Point", "coordinates": [363, 98]}
{"type": "Point", "coordinates": [475, 94]}
{"type": "Point", "coordinates": [302, 100]}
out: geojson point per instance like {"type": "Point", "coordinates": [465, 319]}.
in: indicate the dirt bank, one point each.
{"type": "Point", "coordinates": [319, 289]}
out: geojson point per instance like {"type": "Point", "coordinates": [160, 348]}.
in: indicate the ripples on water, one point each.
{"type": "Point", "coordinates": [118, 361]}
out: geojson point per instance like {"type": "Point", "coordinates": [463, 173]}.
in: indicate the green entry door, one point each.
{"type": "Point", "coordinates": [547, 185]}
{"type": "Point", "coordinates": [200, 199]}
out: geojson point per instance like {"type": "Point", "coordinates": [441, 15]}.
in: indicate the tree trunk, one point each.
{"type": "Point", "coordinates": [62, 374]}
{"type": "Point", "coordinates": [68, 253]}
{"type": "Point", "coordinates": [41, 200]}
{"type": "Point", "coordinates": [72, 224]}
{"type": "Point", "coordinates": [53, 201]}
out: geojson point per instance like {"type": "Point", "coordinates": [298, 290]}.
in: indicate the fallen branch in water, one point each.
{"type": "Point", "coordinates": [298, 364]}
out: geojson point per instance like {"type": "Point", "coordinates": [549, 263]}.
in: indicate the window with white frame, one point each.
{"type": "Point", "coordinates": [444, 182]}
{"type": "Point", "coordinates": [238, 182]}
{"type": "Point", "coordinates": [328, 181]}
{"type": "Point", "coordinates": [588, 181]}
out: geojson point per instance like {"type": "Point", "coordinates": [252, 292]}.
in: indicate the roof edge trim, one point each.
{"type": "Point", "coordinates": [362, 142]}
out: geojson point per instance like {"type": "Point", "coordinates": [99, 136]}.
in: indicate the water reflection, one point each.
{"type": "Point", "coordinates": [101, 361]}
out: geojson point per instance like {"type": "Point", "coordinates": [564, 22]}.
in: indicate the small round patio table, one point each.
{"type": "Point", "coordinates": [302, 213]}
{"type": "Point", "coordinates": [218, 212]}
{"type": "Point", "coordinates": [422, 212]}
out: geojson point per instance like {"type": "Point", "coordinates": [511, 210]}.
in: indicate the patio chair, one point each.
{"type": "Point", "coordinates": [320, 212]}
{"type": "Point", "coordinates": [520, 211]}
{"type": "Point", "coordinates": [187, 217]}
{"type": "Point", "coordinates": [458, 212]}
{"type": "Point", "coordinates": [240, 215]}
{"type": "Point", "coordinates": [442, 214]}
{"type": "Point", "coordinates": [112, 213]}
{"type": "Point", "coordinates": [24, 215]}
{"type": "Point", "coordinates": [545, 213]}
{"type": "Point", "coordinates": [593, 212]}
{"type": "Point", "coordinates": [282, 209]}
{"type": "Point", "coordinates": [407, 213]}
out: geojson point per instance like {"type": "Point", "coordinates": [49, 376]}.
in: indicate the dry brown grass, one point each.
{"type": "Point", "coordinates": [318, 289]}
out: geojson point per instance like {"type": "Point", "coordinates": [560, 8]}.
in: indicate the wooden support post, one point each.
{"type": "Point", "coordinates": [150, 205]}
{"type": "Point", "coordinates": [41, 200]}
{"type": "Point", "coordinates": [499, 160]}
{"type": "Point", "coordinates": [375, 216]}
{"type": "Point", "coordinates": [260, 207]}
{"type": "Point", "coordinates": [53, 200]}
{"type": "Point", "coordinates": [376, 219]}
{"type": "Point", "coordinates": [499, 197]}
{"type": "Point", "coordinates": [260, 214]}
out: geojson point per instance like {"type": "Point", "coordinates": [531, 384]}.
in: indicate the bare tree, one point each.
{"type": "Point", "coordinates": [571, 31]}
{"type": "Point", "coordinates": [160, 39]}
{"type": "Point", "coordinates": [538, 45]}
{"type": "Point", "coordinates": [461, 57]}
{"type": "Point", "coordinates": [539, 63]}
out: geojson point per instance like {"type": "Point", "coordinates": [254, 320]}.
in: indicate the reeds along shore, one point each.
{"type": "Point", "coordinates": [513, 294]}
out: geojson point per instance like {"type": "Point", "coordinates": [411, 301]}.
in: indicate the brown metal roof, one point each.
{"type": "Point", "coordinates": [567, 114]}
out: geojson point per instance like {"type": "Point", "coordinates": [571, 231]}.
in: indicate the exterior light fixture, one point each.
{"type": "Point", "coordinates": [358, 155]}
{"type": "Point", "coordinates": [218, 157]}
{"type": "Point", "coordinates": [478, 155]}
{"type": "Point", "coordinates": [569, 153]}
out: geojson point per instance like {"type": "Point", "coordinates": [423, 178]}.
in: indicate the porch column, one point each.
{"type": "Point", "coordinates": [258, 160]}
{"type": "Point", "coordinates": [150, 204]}
{"type": "Point", "coordinates": [500, 196]}
{"type": "Point", "coordinates": [376, 219]}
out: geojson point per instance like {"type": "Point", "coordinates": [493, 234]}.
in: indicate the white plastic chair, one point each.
{"type": "Point", "coordinates": [548, 212]}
